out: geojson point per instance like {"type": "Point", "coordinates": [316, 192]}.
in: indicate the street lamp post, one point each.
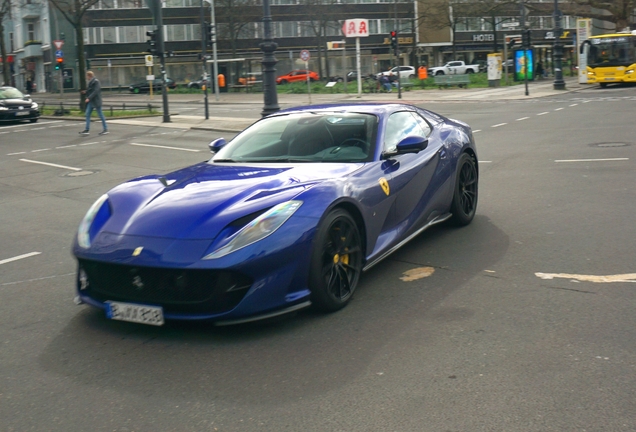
{"type": "Point", "coordinates": [557, 53]}
{"type": "Point", "coordinates": [215, 78]}
{"type": "Point", "coordinates": [268, 46]}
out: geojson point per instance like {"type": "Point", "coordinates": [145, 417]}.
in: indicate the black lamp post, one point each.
{"type": "Point", "coordinates": [268, 46]}
{"type": "Point", "coordinates": [557, 52]}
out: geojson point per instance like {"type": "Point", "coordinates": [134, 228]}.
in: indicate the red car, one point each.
{"type": "Point", "coordinates": [297, 75]}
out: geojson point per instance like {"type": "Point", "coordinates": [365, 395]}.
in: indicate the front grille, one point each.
{"type": "Point", "coordinates": [176, 290]}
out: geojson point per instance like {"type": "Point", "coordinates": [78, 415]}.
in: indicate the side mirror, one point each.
{"type": "Point", "coordinates": [217, 145]}
{"type": "Point", "coordinates": [412, 144]}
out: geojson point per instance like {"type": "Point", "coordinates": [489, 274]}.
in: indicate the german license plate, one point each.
{"type": "Point", "coordinates": [609, 79]}
{"type": "Point", "coordinates": [21, 113]}
{"type": "Point", "coordinates": [142, 314]}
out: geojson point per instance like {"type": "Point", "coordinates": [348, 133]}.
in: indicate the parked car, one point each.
{"type": "Point", "coordinates": [297, 75]}
{"type": "Point", "coordinates": [286, 215]}
{"type": "Point", "coordinates": [144, 86]}
{"type": "Point", "coordinates": [197, 84]}
{"type": "Point", "coordinates": [16, 106]}
{"type": "Point", "coordinates": [351, 76]}
{"type": "Point", "coordinates": [454, 68]}
{"type": "Point", "coordinates": [405, 72]}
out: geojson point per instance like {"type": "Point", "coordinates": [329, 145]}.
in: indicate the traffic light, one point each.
{"type": "Point", "coordinates": [527, 38]}
{"type": "Point", "coordinates": [59, 63]}
{"type": "Point", "coordinates": [208, 34]}
{"type": "Point", "coordinates": [153, 41]}
{"type": "Point", "coordinates": [394, 41]}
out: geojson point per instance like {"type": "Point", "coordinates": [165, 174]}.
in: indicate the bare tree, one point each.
{"type": "Point", "coordinates": [5, 11]}
{"type": "Point", "coordinates": [321, 15]}
{"type": "Point", "coordinates": [234, 17]}
{"type": "Point", "coordinates": [73, 11]}
{"type": "Point", "coordinates": [618, 12]}
{"type": "Point", "coordinates": [494, 12]}
{"type": "Point", "coordinates": [442, 14]}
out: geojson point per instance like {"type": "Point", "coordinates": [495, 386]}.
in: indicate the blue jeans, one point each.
{"type": "Point", "coordinates": [89, 111]}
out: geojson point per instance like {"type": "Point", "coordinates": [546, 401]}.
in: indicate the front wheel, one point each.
{"type": "Point", "coordinates": [603, 85]}
{"type": "Point", "coordinates": [439, 73]}
{"type": "Point", "coordinates": [464, 204]}
{"type": "Point", "coordinates": [469, 71]}
{"type": "Point", "coordinates": [336, 262]}
{"type": "Point", "coordinates": [33, 120]}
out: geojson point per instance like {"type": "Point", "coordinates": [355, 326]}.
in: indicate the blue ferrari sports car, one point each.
{"type": "Point", "coordinates": [286, 215]}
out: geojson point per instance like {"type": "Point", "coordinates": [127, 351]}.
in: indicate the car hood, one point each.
{"type": "Point", "coordinates": [199, 201]}
{"type": "Point", "coordinates": [14, 103]}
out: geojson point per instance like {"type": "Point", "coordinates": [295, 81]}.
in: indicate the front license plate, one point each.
{"type": "Point", "coordinates": [152, 315]}
{"type": "Point", "coordinates": [609, 79]}
{"type": "Point", "coordinates": [21, 113]}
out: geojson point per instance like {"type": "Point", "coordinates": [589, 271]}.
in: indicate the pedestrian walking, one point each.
{"type": "Point", "coordinates": [93, 101]}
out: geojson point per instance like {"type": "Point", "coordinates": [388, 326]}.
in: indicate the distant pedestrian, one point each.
{"type": "Point", "coordinates": [93, 100]}
{"type": "Point", "coordinates": [386, 84]}
{"type": "Point", "coordinates": [540, 71]}
{"type": "Point", "coordinates": [29, 86]}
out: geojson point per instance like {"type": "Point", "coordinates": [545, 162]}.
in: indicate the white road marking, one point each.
{"type": "Point", "coordinates": [68, 146]}
{"type": "Point", "coordinates": [485, 161]}
{"type": "Point", "coordinates": [592, 160]}
{"type": "Point", "coordinates": [51, 164]}
{"type": "Point", "coordinates": [37, 128]}
{"type": "Point", "coordinates": [558, 109]}
{"type": "Point", "coordinates": [543, 113]}
{"type": "Point", "coordinates": [573, 105]}
{"type": "Point", "coordinates": [19, 257]}
{"type": "Point", "coordinates": [500, 124]}
{"type": "Point", "coordinates": [39, 150]}
{"type": "Point", "coordinates": [13, 154]}
{"type": "Point", "coordinates": [90, 143]}
{"type": "Point", "coordinates": [62, 125]}
{"type": "Point", "coordinates": [23, 125]}
{"type": "Point", "coordinates": [478, 130]}
{"type": "Point", "coordinates": [163, 147]}
{"type": "Point", "coordinates": [522, 118]}
{"type": "Point", "coordinates": [629, 277]}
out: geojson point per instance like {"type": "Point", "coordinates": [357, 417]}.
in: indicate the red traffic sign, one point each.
{"type": "Point", "coordinates": [356, 28]}
{"type": "Point", "coordinates": [304, 55]}
{"type": "Point", "coordinates": [58, 44]}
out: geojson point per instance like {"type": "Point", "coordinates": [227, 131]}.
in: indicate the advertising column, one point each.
{"type": "Point", "coordinates": [583, 32]}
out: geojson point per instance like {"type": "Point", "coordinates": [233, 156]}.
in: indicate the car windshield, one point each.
{"type": "Point", "coordinates": [305, 137]}
{"type": "Point", "coordinates": [10, 93]}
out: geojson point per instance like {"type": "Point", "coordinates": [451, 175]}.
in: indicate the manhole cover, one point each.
{"type": "Point", "coordinates": [80, 173]}
{"type": "Point", "coordinates": [612, 144]}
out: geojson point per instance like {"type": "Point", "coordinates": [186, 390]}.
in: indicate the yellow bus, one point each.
{"type": "Point", "coordinates": [611, 58]}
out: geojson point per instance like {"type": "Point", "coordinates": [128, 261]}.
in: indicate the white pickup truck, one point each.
{"type": "Point", "coordinates": [454, 67]}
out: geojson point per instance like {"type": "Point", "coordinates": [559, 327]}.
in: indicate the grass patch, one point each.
{"type": "Point", "coordinates": [108, 113]}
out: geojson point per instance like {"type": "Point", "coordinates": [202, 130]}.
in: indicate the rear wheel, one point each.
{"type": "Point", "coordinates": [439, 73]}
{"type": "Point", "coordinates": [336, 262]}
{"type": "Point", "coordinates": [464, 203]}
{"type": "Point", "coordinates": [283, 81]}
{"type": "Point", "coordinates": [469, 71]}
{"type": "Point", "coordinates": [603, 85]}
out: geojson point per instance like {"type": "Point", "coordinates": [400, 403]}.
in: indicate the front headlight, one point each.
{"type": "Point", "coordinates": [261, 227]}
{"type": "Point", "coordinates": [100, 210]}
{"type": "Point", "coordinates": [3, 108]}
{"type": "Point", "coordinates": [34, 105]}
{"type": "Point", "coordinates": [630, 71]}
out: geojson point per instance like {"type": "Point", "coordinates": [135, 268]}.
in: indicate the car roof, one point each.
{"type": "Point", "coordinates": [378, 108]}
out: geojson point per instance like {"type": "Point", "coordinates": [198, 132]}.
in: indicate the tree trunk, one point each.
{"type": "Point", "coordinates": [81, 61]}
{"type": "Point", "coordinates": [6, 68]}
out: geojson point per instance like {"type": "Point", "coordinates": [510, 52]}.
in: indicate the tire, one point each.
{"type": "Point", "coordinates": [603, 85]}
{"type": "Point", "coordinates": [33, 120]}
{"type": "Point", "coordinates": [469, 71]}
{"type": "Point", "coordinates": [439, 73]}
{"type": "Point", "coordinates": [412, 76]}
{"type": "Point", "coordinates": [464, 204]}
{"type": "Point", "coordinates": [336, 262]}
{"type": "Point", "coordinates": [283, 81]}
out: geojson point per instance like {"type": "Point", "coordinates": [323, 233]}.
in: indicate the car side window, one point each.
{"type": "Point", "coordinates": [426, 128]}
{"type": "Point", "coordinates": [399, 126]}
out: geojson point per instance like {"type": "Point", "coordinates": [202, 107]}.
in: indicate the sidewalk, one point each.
{"type": "Point", "coordinates": [536, 90]}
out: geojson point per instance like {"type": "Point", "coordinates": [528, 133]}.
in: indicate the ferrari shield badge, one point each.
{"type": "Point", "coordinates": [384, 185]}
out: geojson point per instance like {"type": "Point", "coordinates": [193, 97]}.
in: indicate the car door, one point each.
{"type": "Point", "coordinates": [414, 180]}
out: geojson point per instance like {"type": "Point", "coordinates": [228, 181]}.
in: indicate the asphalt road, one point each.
{"type": "Point", "coordinates": [512, 329]}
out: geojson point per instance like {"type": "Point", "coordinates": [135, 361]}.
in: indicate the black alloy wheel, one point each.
{"type": "Point", "coordinates": [464, 203]}
{"type": "Point", "coordinates": [336, 262]}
